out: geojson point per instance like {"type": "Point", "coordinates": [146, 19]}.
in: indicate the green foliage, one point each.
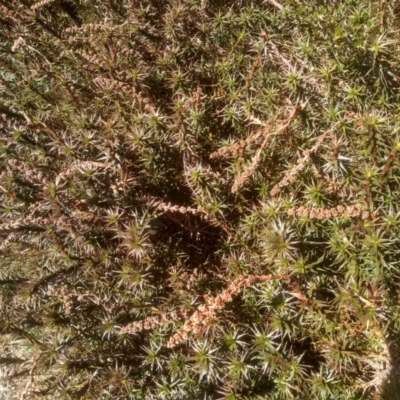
{"type": "Point", "coordinates": [125, 125]}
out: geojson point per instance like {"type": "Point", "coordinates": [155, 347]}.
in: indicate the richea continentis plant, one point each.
{"type": "Point", "coordinates": [200, 199]}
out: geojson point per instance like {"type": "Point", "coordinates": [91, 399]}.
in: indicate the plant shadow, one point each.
{"type": "Point", "coordinates": [391, 387]}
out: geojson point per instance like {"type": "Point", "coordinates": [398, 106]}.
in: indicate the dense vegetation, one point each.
{"type": "Point", "coordinates": [199, 199]}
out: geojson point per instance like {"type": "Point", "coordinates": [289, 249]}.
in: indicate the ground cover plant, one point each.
{"type": "Point", "coordinates": [199, 199]}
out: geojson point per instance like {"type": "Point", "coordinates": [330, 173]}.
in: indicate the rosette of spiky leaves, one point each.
{"type": "Point", "coordinates": [125, 126]}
